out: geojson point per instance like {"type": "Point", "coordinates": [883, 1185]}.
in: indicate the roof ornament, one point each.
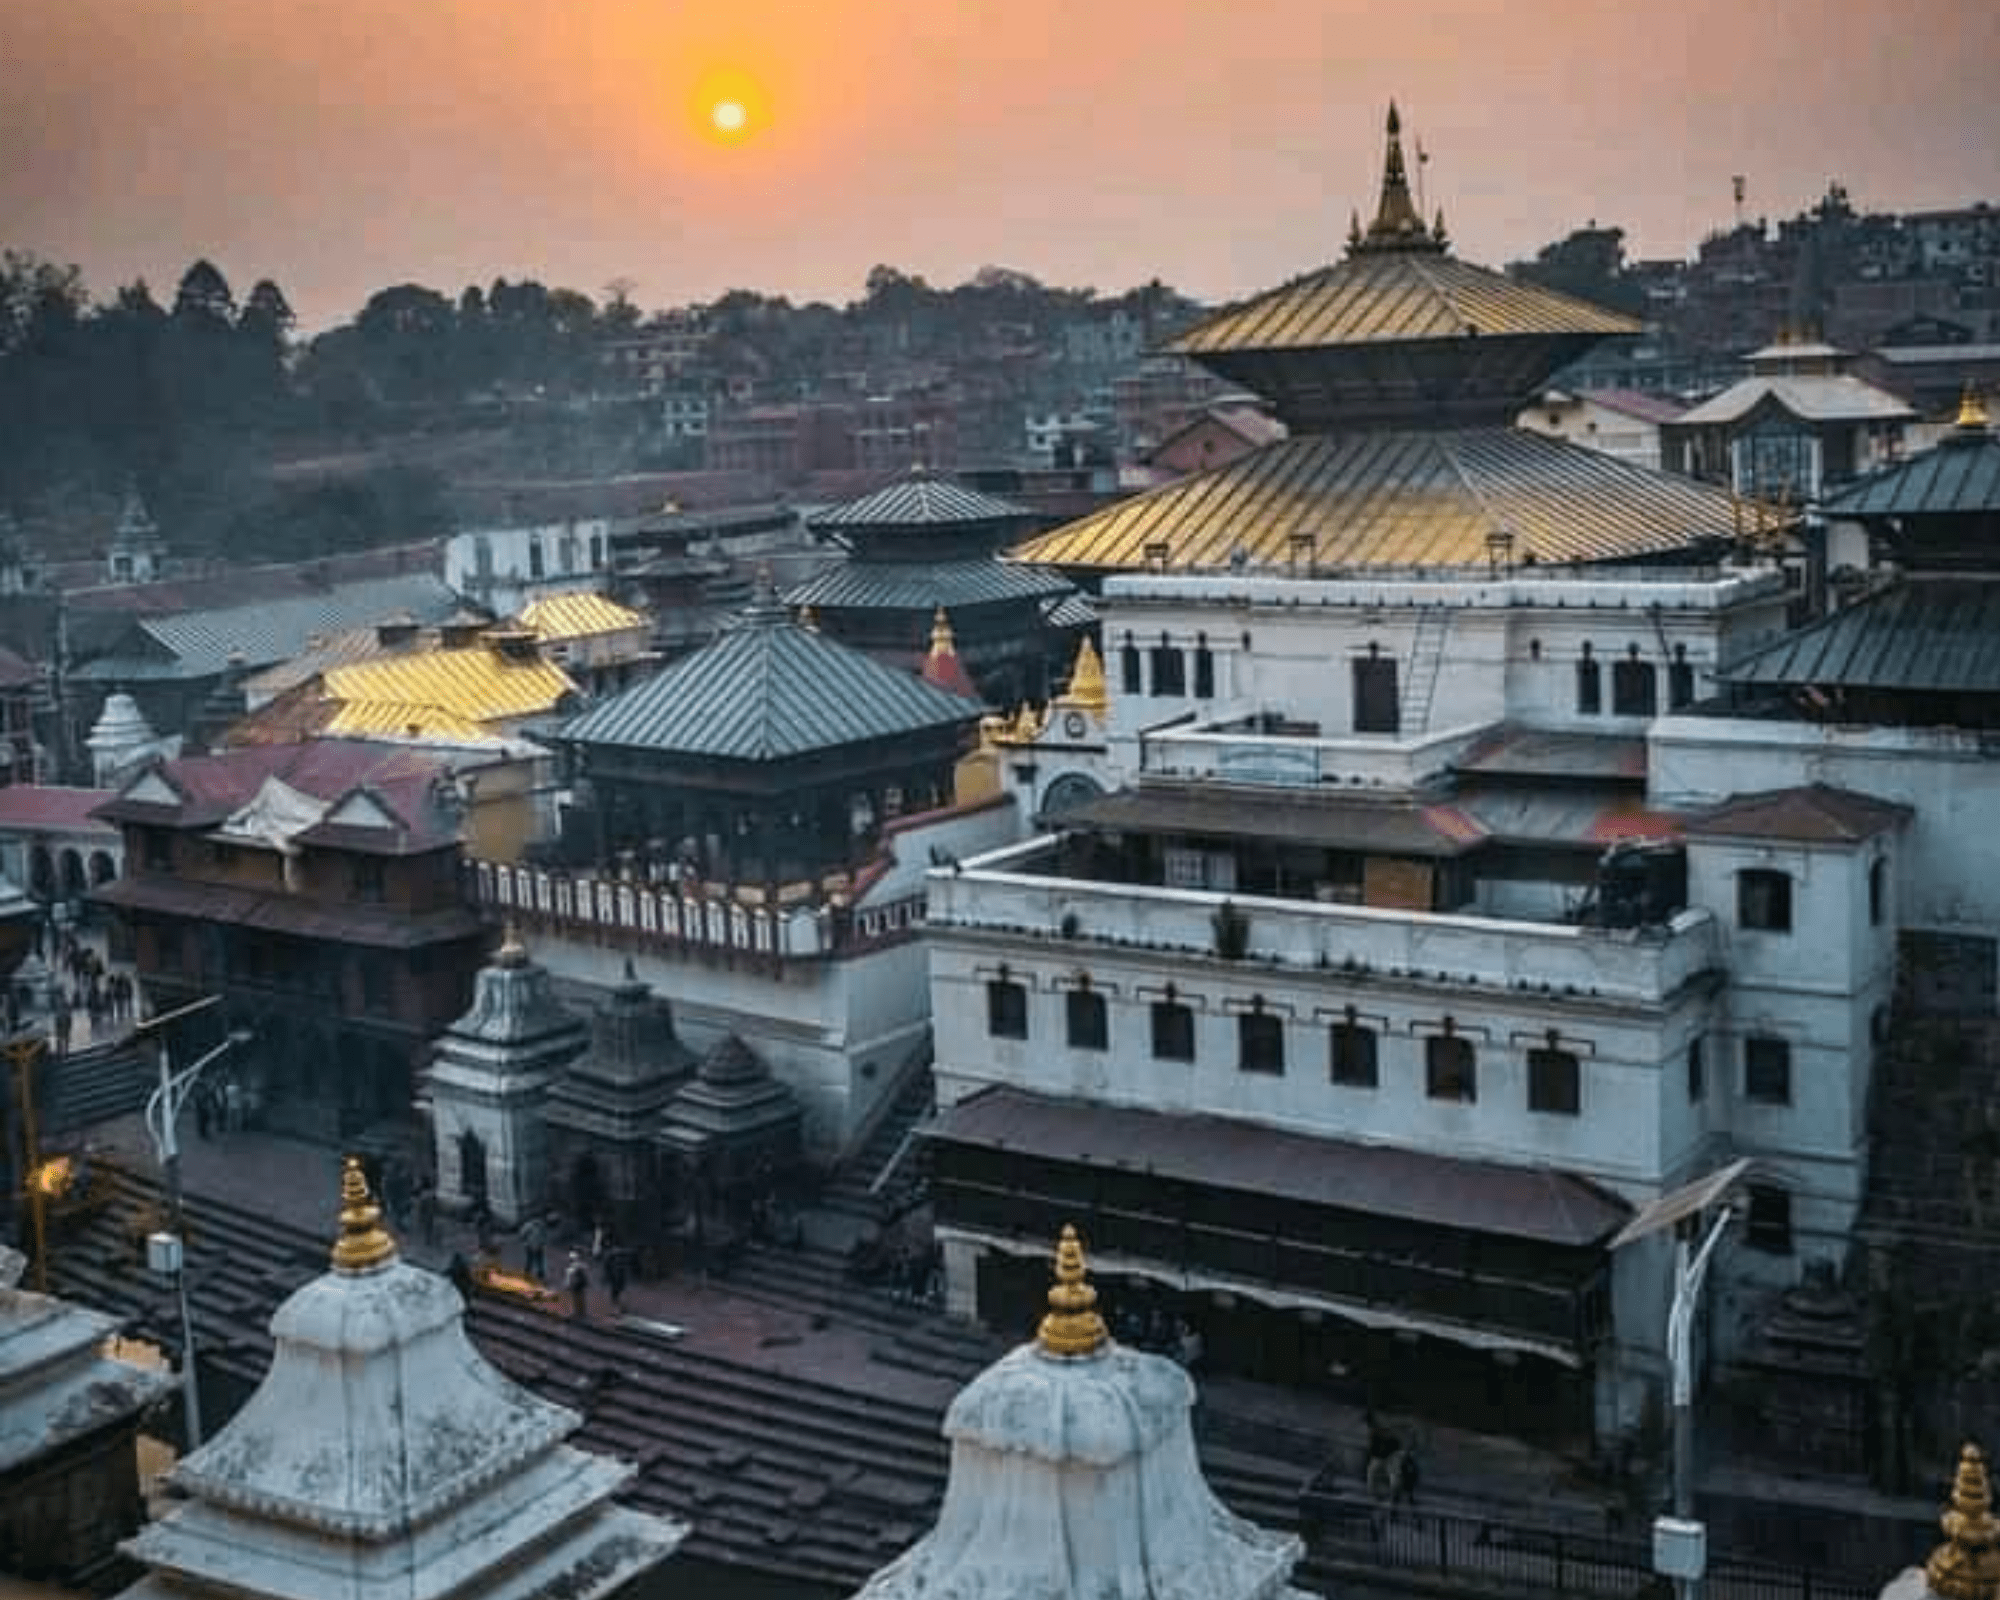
{"type": "Point", "coordinates": [1972, 415]}
{"type": "Point", "coordinates": [1398, 225]}
{"type": "Point", "coordinates": [765, 607]}
{"type": "Point", "coordinates": [512, 953]}
{"type": "Point", "coordinates": [1967, 1565]}
{"type": "Point", "coordinates": [1086, 689]}
{"type": "Point", "coordinates": [364, 1243]}
{"type": "Point", "coordinates": [943, 641]}
{"type": "Point", "coordinates": [1072, 1326]}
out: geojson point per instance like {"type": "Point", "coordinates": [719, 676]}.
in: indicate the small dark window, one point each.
{"type": "Point", "coordinates": [1764, 900]}
{"type": "Point", "coordinates": [1555, 1082]}
{"type": "Point", "coordinates": [368, 879]}
{"type": "Point", "coordinates": [1589, 685]}
{"type": "Point", "coordinates": [1680, 680]}
{"type": "Point", "coordinates": [1635, 688]}
{"type": "Point", "coordinates": [1767, 1070]}
{"type": "Point", "coordinates": [1878, 891]}
{"type": "Point", "coordinates": [156, 847]}
{"type": "Point", "coordinates": [1450, 1072]}
{"type": "Point", "coordinates": [1084, 1011]}
{"type": "Point", "coordinates": [1006, 1009]}
{"type": "Point", "coordinates": [1173, 1031]}
{"type": "Point", "coordinates": [1769, 1225]}
{"type": "Point", "coordinates": [535, 558]}
{"type": "Point", "coordinates": [1697, 1071]}
{"type": "Point", "coordinates": [1204, 672]}
{"type": "Point", "coordinates": [1376, 706]}
{"type": "Point", "coordinates": [1128, 669]}
{"type": "Point", "coordinates": [1169, 670]}
{"type": "Point", "coordinates": [1260, 1043]}
{"type": "Point", "coordinates": [1351, 1055]}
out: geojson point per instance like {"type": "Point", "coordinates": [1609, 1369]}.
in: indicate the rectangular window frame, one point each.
{"type": "Point", "coordinates": [1555, 1082]}
{"type": "Point", "coordinates": [1171, 1025]}
{"type": "Point", "coordinates": [1589, 687]}
{"type": "Point", "coordinates": [1448, 1075]}
{"type": "Point", "coordinates": [1006, 1009]}
{"type": "Point", "coordinates": [1353, 1055]}
{"type": "Point", "coordinates": [1086, 1020]}
{"type": "Point", "coordinates": [1767, 1224]}
{"type": "Point", "coordinates": [1635, 688]}
{"type": "Point", "coordinates": [1260, 1043]}
{"type": "Point", "coordinates": [1767, 1069]}
{"type": "Point", "coordinates": [1169, 671]}
{"type": "Point", "coordinates": [1764, 900]}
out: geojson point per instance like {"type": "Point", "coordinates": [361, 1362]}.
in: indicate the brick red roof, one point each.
{"type": "Point", "coordinates": [39, 808]}
{"type": "Point", "coordinates": [1815, 813]}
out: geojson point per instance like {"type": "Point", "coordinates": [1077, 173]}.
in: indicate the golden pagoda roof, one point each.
{"type": "Point", "coordinates": [476, 685]}
{"type": "Point", "coordinates": [577, 616]}
{"type": "Point", "coordinates": [1397, 499]}
{"type": "Point", "coordinates": [396, 719]}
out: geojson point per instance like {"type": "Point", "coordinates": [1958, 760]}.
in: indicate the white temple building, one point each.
{"type": "Point", "coordinates": [1073, 1472]}
{"type": "Point", "coordinates": [382, 1455]}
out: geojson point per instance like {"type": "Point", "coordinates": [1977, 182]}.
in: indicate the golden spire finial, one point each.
{"type": "Point", "coordinates": [1397, 224]}
{"type": "Point", "coordinates": [512, 953]}
{"type": "Point", "coordinates": [1971, 409]}
{"type": "Point", "coordinates": [943, 643]}
{"type": "Point", "coordinates": [1967, 1565]}
{"type": "Point", "coordinates": [1072, 1326]}
{"type": "Point", "coordinates": [1086, 689]}
{"type": "Point", "coordinates": [809, 618]}
{"type": "Point", "coordinates": [363, 1243]}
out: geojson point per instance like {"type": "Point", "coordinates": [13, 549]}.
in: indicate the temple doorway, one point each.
{"type": "Point", "coordinates": [472, 1168]}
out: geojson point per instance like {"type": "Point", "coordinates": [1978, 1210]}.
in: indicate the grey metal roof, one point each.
{"type": "Point", "coordinates": [1399, 499]}
{"type": "Point", "coordinates": [1940, 634]}
{"type": "Point", "coordinates": [1296, 816]}
{"type": "Point", "coordinates": [1961, 475]}
{"type": "Point", "coordinates": [1072, 610]}
{"type": "Point", "coordinates": [924, 586]}
{"type": "Point", "coordinates": [919, 500]}
{"type": "Point", "coordinates": [766, 690]}
{"type": "Point", "coordinates": [1825, 397]}
{"type": "Point", "coordinates": [199, 644]}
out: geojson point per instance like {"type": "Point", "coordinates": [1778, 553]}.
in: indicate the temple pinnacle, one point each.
{"type": "Point", "coordinates": [1072, 1326]}
{"type": "Point", "coordinates": [363, 1243]}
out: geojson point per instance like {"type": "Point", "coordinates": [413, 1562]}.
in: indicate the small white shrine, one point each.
{"type": "Point", "coordinates": [383, 1456]}
{"type": "Point", "coordinates": [1073, 1473]}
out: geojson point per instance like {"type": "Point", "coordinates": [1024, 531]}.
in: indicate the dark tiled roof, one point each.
{"type": "Point", "coordinates": [1396, 297]}
{"type": "Point", "coordinates": [277, 912]}
{"type": "Point", "coordinates": [1510, 751]}
{"type": "Point", "coordinates": [1522, 1202]}
{"type": "Point", "coordinates": [1934, 634]}
{"type": "Point", "coordinates": [1233, 812]}
{"type": "Point", "coordinates": [924, 586]}
{"type": "Point", "coordinates": [34, 807]}
{"type": "Point", "coordinates": [1400, 499]}
{"type": "Point", "coordinates": [1813, 814]}
{"type": "Point", "coordinates": [919, 501]}
{"type": "Point", "coordinates": [1961, 475]}
{"type": "Point", "coordinates": [766, 690]}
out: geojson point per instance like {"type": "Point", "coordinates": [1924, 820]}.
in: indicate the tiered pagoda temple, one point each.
{"type": "Point", "coordinates": [924, 544]}
{"type": "Point", "coordinates": [1398, 372]}
{"type": "Point", "coordinates": [773, 756]}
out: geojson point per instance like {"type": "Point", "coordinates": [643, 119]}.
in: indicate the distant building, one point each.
{"type": "Point", "coordinates": [1622, 423]}
{"type": "Point", "coordinates": [1215, 437]}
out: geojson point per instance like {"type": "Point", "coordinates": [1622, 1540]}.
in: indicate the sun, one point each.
{"type": "Point", "coordinates": [728, 117]}
{"type": "Point", "coordinates": [730, 106]}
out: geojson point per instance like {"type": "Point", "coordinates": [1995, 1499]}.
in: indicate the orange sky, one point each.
{"type": "Point", "coordinates": [338, 145]}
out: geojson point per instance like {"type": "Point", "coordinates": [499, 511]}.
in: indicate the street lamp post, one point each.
{"type": "Point", "coordinates": [1690, 1270]}
{"type": "Point", "coordinates": [163, 1111]}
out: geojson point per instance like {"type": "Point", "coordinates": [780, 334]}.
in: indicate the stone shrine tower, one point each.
{"type": "Point", "coordinates": [1073, 1472]}
{"type": "Point", "coordinates": [602, 1113]}
{"type": "Point", "coordinates": [493, 1070]}
{"type": "Point", "coordinates": [383, 1458]}
{"type": "Point", "coordinates": [138, 552]}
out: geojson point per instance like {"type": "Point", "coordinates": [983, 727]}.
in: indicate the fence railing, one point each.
{"type": "Point", "coordinates": [1503, 1554]}
{"type": "Point", "coordinates": [665, 916]}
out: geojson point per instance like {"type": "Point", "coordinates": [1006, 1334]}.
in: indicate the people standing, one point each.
{"type": "Point", "coordinates": [576, 1279]}
{"type": "Point", "coordinates": [1406, 1477]}
{"type": "Point", "coordinates": [534, 1248]}
{"type": "Point", "coordinates": [617, 1274]}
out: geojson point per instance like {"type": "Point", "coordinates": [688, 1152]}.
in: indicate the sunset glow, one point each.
{"type": "Point", "coordinates": [728, 116]}
{"type": "Point", "coordinates": [730, 105]}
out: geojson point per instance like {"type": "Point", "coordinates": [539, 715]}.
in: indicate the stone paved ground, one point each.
{"type": "Point", "coordinates": [298, 1184]}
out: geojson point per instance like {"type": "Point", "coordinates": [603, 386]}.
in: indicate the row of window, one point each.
{"type": "Point", "coordinates": [1635, 684]}
{"type": "Point", "coordinates": [1172, 669]}
{"type": "Point", "coordinates": [1353, 1051]}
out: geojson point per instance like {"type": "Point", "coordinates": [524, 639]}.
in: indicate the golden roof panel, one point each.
{"type": "Point", "coordinates": [1397, 500]}
{"type": "Point", "coordinates": [578, 616]}
{"type": "Point", "coordinates": [1396, 297]}
{"type": "Point", "coordinates": [477, 685]}
{"type": "Point", "coordinates": [395, 719]}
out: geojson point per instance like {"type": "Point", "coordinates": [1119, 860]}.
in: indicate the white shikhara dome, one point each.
{"type": "Point", "coordinates": [1073, 1474]}
{"type": "Point", "coordinates": [384, 1458]}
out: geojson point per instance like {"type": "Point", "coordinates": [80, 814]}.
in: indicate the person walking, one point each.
{"type": "Point", "coordinates": [617, 1274]}
{"type": "Point", "coordinates": [534, 1248]}
{"type": "Point", "coordinates": [576, 1279]}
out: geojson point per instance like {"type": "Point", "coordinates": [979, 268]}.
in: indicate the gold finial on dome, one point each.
{"type": "Point", "coordinates": [512, 953]}
{"type": "Point", "coordinates": [1072, 1326]}
{"type": "Point", "coordinates": [1398, 225]}
{"type": "Point", "coordinates": [809, 618]}
{"type": "Point", "coordinates": [1086, 689]}
{"type": "Point", "coordinates": [1971, 410]}
{"type": "Point", "coordinates": [1967, 1565]}
{"type": "Point", "coordinates": [363, 1243]}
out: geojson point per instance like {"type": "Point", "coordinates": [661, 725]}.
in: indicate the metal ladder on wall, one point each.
{"type": "Point", "coordinates": [1426, 662]}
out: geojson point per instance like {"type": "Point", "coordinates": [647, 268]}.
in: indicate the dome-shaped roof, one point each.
{"type": "Point", "coordinates": [120, 724]}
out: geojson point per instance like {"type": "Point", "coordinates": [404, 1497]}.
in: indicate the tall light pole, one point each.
{"type": "Point", "coordinates": [1680, 1542]}
{"type": "Point", "coordinates": [168, 1251]}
